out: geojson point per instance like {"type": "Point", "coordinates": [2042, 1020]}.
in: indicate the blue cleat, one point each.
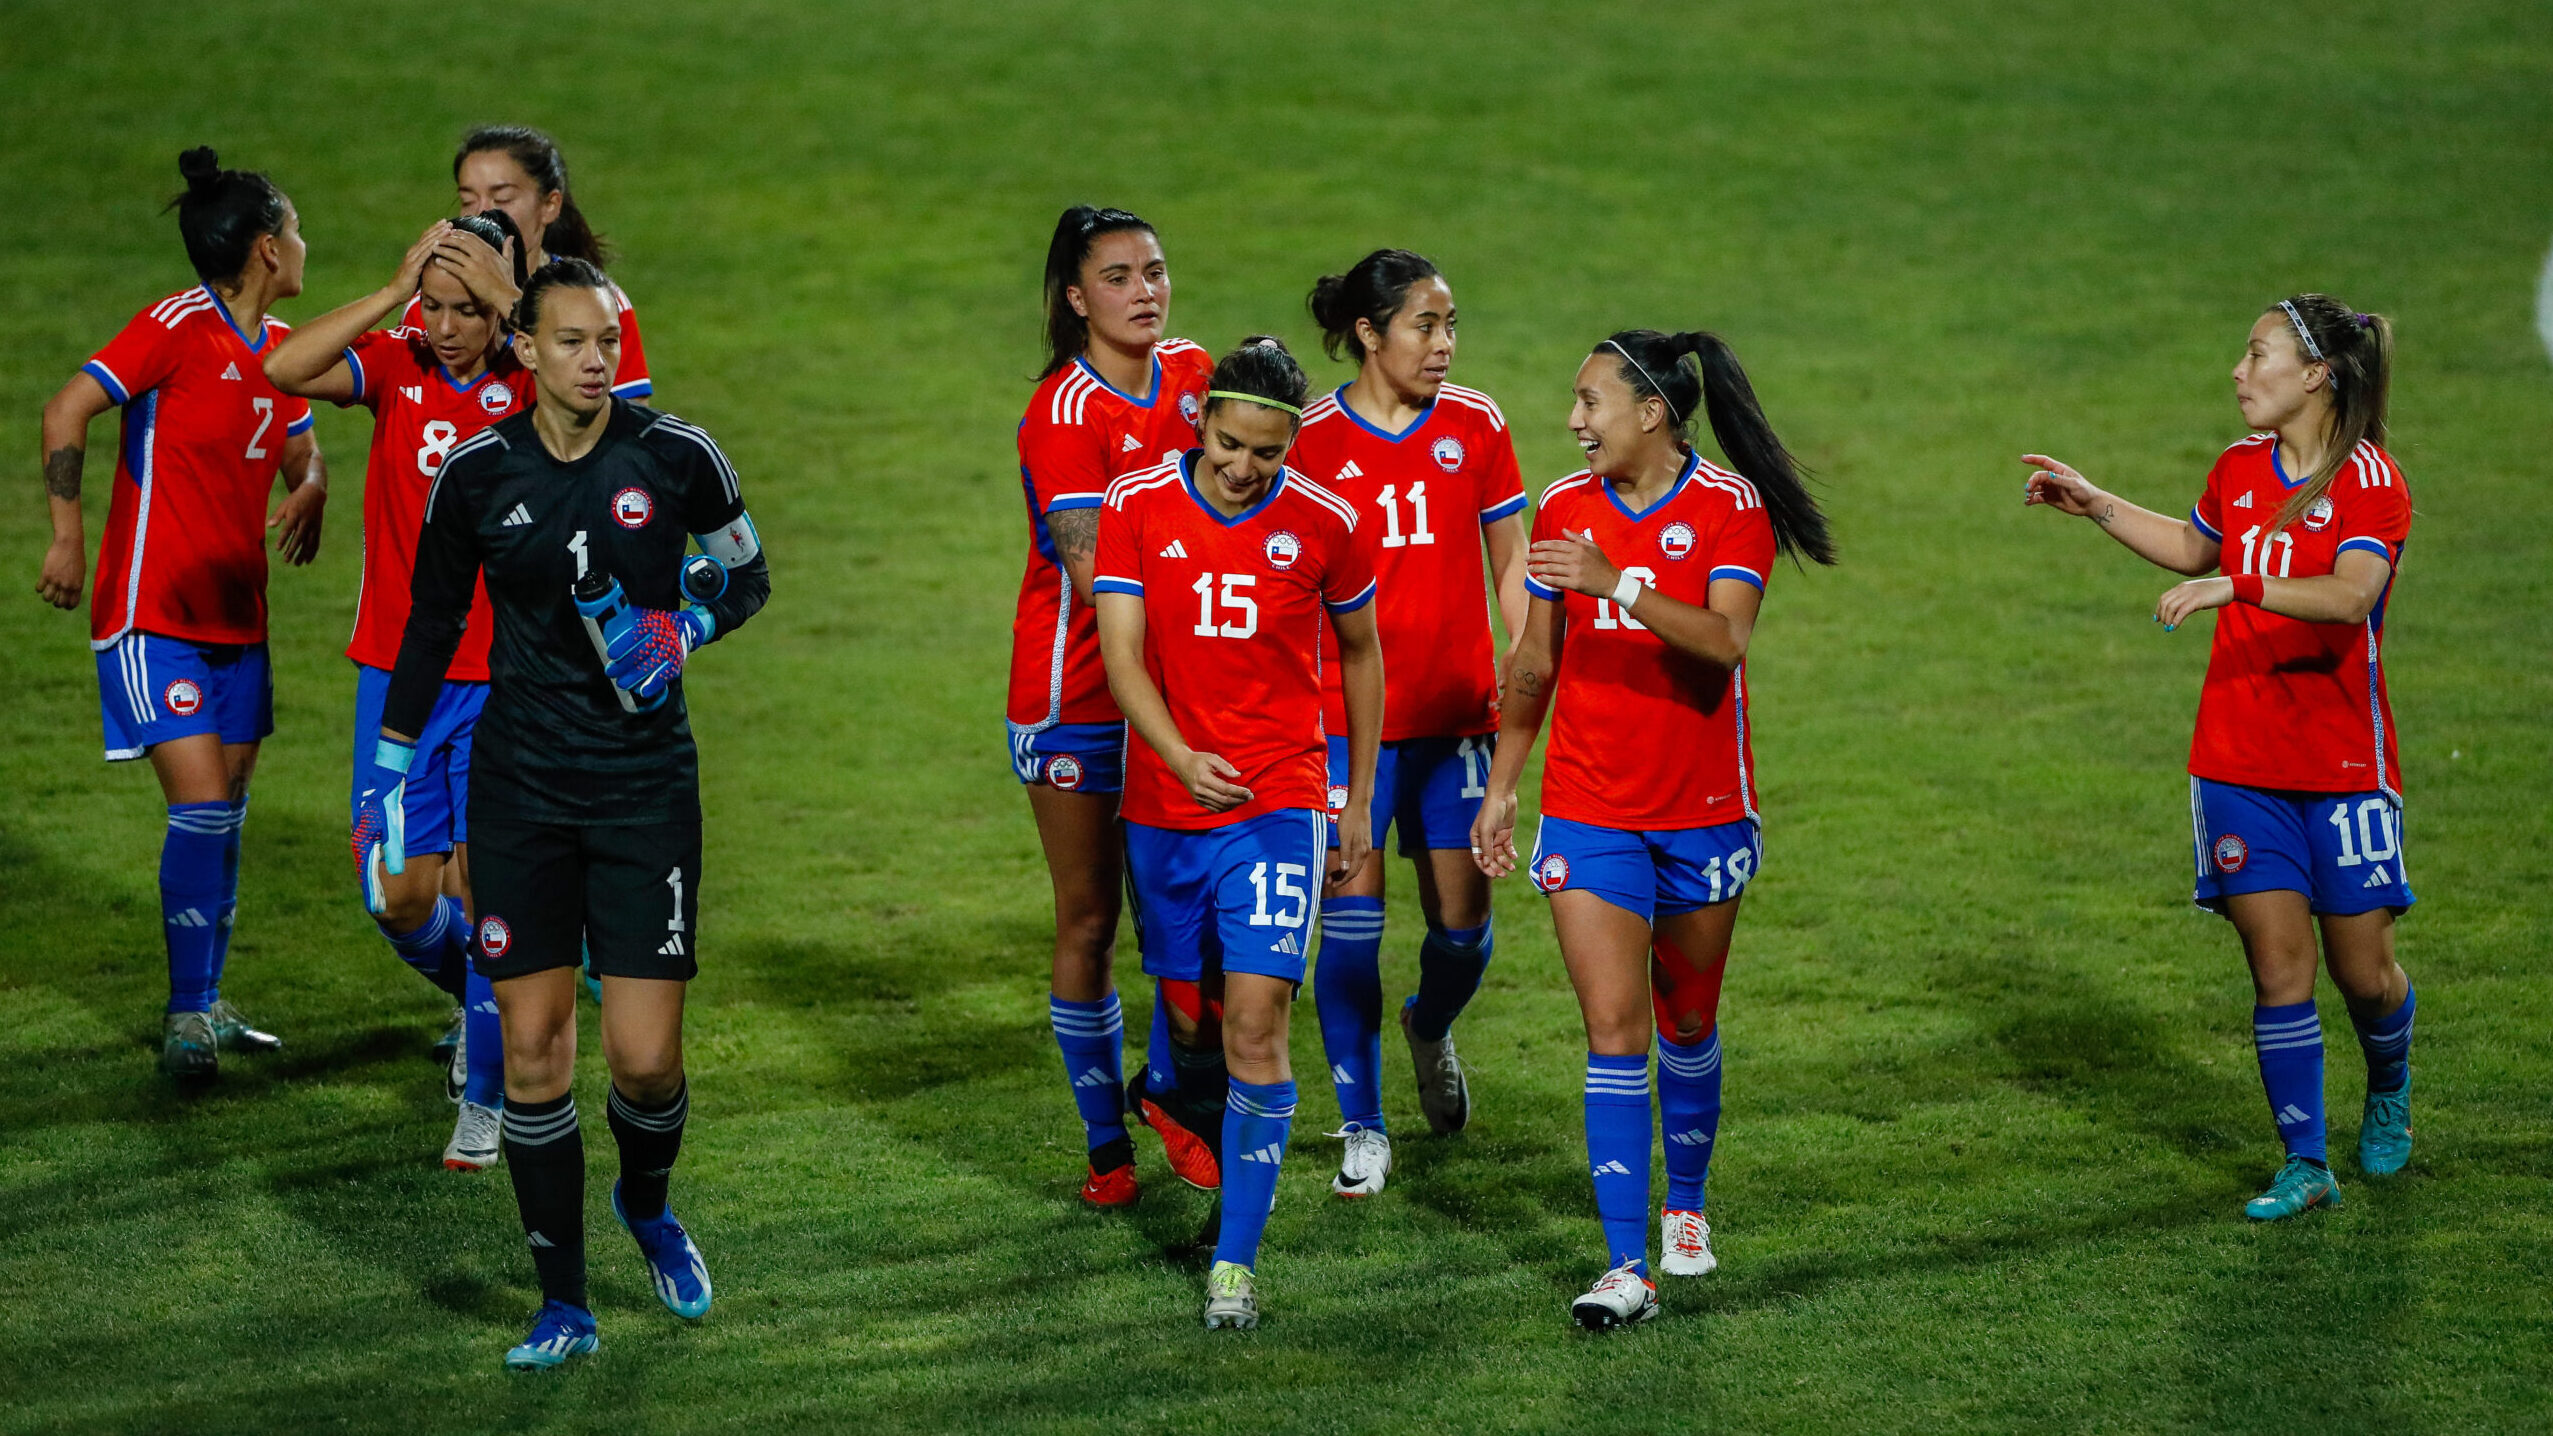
{"type": "Point", "coordinates": [559, 1332]}
{"type": "Point", "coordinates": [682, 1278]}
{"type": "Point", "coordinates": [2384, 1133]}
{"type": "Point", "coordinates": [2299, 1187]}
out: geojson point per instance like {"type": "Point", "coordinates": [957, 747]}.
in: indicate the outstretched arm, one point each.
{"type": "Point", "coordinates": [66, 452]}
{"type": "Point", "coordinates": [2347, 594]}
{"type": "Point", "coordinates": [2163, 541]}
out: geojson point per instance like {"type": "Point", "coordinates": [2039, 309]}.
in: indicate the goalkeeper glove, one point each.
{"type": "Point", "coordinates": [644, 654]}
{"type": "Point", "coordinates": [381, 820]}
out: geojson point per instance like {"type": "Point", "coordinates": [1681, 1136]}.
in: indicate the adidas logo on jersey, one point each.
{"type": "Point", "coordinates": [1612, 1169]}
{"type": "Point", "coordinates": [232, 372]}
{"type": "Point", "coordinates": [1176, 550]}
{"type": "Point", "coordinates": [1093, 1078]}
{"type": "Point", "coordinates": [2244, 502]}
{"type": "Point", "coordinates": [522, 514]}
{"type": "Point", "coordinates": [1347, 471]}
{"type": "Point", "coordinates": [413, 393]}
{"type": "Point", "coordinates": [673, 947]}
{"type": "Point", "coordinates": [1132, 444]}
{"type": "Point", "coordinates": [1272, 1154]}
{"type": "Point", "coordinates": [2291, 1114]}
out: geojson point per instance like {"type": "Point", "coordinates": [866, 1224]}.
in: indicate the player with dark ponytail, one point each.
{"type": "Point", "coordinates": [1647, 572]}
{"type": "Point", "coordinates": [430, 390]}
{"type": "Point", "coordinates": [519, 170]}
{"type": "Point", "coordinates": [179, 619]}
{"type": "Point", "coordinates": [2295, 784]}
{"type": "Point", "coordinates": [1116, 395]}
{"type": "Point", "coordinates": [1431, 470]}
{"type": "Point", "coordinates": [1215, 573]}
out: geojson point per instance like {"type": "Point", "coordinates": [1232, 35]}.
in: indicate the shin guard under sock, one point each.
{"type": "Point", "coordinates": [484, 1035]}
{"type": "Point", "coordinates": [2289, 1040]}
{"type": "Point", "coordinates": [1092, 1037]}
{"type": "Point", "coordinates": [191, 897]}
{"type": "Point", "coordinates": [650, 1137]}
{"type": "Point", "coordinates": [1257, 1118]}
{"type": "Point", "coordinates": [1450, 964]}
{"type": "Point", "coordinates": [1617, 1097]}
{"type": "Point", "coordinates": [1198, 1101]}
{"type": "Point", "coordinates": [2387, 1044]}
{"type": "Point", "coordinates": [437, 948]}
{"type": "Point", "coordinates": [1689, 1115]}
{"type": "Point", "coordinates": [545, 1154]}
{"type": "Point", "coordinates": [1347, 994]}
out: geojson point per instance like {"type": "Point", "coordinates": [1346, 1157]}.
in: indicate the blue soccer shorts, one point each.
{"type": "Point", "coordinates": [438, 794]}
{"type": "Point", "coordinates": [152, 689]}
{"type": "Point", "coordinates": [1431, 787]}
{"type": "Point", "coordinates": [1237, 898]}
{"type": "Point", "coordinates": [2343, 851]}
{"type": "Point", "coordinates": [1670, 871]}
{"type": "Point", "coordinates": [1070, 757]}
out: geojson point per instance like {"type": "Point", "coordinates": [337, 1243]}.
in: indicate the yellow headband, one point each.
{"type": "Point", "coordinates": [1213, 394]}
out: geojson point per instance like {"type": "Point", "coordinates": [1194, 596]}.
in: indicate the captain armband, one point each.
{"type": "Point", "coordinates": [734, 543]}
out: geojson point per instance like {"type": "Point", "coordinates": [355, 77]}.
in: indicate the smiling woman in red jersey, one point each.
{"type": "Point", "coordinates": [1647, 572]}
{"type": "Point", "coordinates": [430, 390]}
{"type": "Point", "coordinates": [178, 622]}
{"type": "Point", "coordinates": [1431, 470]}
{"type": "Point", "coordinates": [2295, 789]}
{"type": "Point", "coordinates": [1117, 395]}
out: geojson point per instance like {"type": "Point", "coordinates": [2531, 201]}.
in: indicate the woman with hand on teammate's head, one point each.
{"type": "Point", "coordinates": [2295, 786]}
{"type": "Point", "coordinates": [1647, 573]}
{"type": "Point", "coordinates": [178, 621]}
{"type": "Point", "coordinates": [1431, 470]}
{"type": "Point", "coordinates": [429, 389]}
{"type": "Point", "coordinates": [1217, 574]}
{"type": "Point", "coordinates": [1116, 395]}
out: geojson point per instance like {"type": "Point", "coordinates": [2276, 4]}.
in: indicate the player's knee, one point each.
{"type": "Point", "coordinates": [1085, 934]}
{"type": "Point", "coordinates": [650, 1081]}
{"type": "Point", "coordinates": [407, 907]}
{"type": "Point", "coordinates": [1254, 1037]}
{"type": "Point", "coordinates": [1684, 1028]}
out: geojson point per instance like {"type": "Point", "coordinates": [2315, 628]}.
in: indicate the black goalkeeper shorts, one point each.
{"type": "Point", "coordinates": [547, 893]}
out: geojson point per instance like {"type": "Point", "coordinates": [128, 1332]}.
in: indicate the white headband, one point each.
{"type": "Point", "coordinates": [1661, 388]}
{"type": "Point", "coordinates": [2302, 333]}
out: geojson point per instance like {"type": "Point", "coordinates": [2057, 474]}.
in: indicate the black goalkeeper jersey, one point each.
{"type": "Point", "coordinates": [554, 744]}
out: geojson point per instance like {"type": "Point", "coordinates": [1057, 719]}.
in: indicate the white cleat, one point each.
{"type": "Point", "coordinates": [1621, 1297]}
{"type": "Point", "coordinates": [1444, 1092]}
{"type": "Point", "coordinates": [1367, 1161]}
{"type": "Point", "coordinates": [1684, 1245]}
{"type": "Point", "coordinates": [456, 1071]}
{"type": "Point", "coordinates": [1231, 1298]}
{"type": "Point", "coordinates": [476, 1139]}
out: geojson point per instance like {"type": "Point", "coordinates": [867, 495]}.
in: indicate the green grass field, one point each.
{"type": "Point", "coordinates": [1991, 1103]}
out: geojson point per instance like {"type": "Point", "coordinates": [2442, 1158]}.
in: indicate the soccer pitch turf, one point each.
{"type": "Point", "coordinates": [1991, 1103]}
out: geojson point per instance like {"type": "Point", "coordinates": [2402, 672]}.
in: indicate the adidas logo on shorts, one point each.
{"type": "Point", "coordinates": [673, 947]}
{"type": "Point", "coordinates": [2378, 878]}
{"type": "Point", "coordinates": [1288, 946]}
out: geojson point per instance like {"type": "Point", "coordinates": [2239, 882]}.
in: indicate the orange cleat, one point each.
{"type": "Point", "coordinates": [1111, 1189]}
{"type": "Point", "coordinates": [1191, 1160]}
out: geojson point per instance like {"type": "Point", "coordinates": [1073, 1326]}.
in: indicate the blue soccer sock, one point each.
{"type": "Point", "coordinates": [2289, 1040]}
{"type": "Point", "coordinates": [1257, 1118]}
{"type": "Point", "coordinates": [230, 892]}
{"type": "Point", "coordinates": [1450, 964]}
{"type": "Point", "coordinates": [485, 1035]}
{"type": "Point", "coordinates": [1347, 992]}
{"type": "Point", "coordinates": [1618, 1152]}
{"type": "Point", "coordinates": [1161, 1070]}
{"type": "Point", "coordinates": [437, 948]}
{"type": "Point", "coordinates": [191, 895]}
{"type": "Point", "coordinates": [2387, 1043]}
{"type": "Point", "coordinates": [1092, 1036]}
{"type": "Point", "coordinates": [1689, 1113]}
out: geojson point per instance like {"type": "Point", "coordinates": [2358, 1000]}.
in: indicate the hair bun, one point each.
{"type": "Point", "coordinates": [202, 169]}
{"type": "Point", "coordinates": [1270, 341]}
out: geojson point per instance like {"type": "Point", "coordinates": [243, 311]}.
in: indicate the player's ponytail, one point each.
{"type": "Point", "coordinates": [568, 236]}
{"type": "Point", "coordinates": [2358, 350]}
{"type": "Point", "coordinates": [1373, 289]}
{"type": "Point", "coordinates": [557, 274]}
{"type": "Point", "coordinates": [1715, 385]}
{"type": "Point", "coordinates": [494, 229]}
{"type": "Point", "coordinates": [222, 213]}
{"type": "Point", "coordinates": [1076, 230]}
{"type": "Point", "coordinates": [1261, 371]}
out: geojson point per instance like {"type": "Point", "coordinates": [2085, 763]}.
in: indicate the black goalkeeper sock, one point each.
{"type": "Point", "coordinates": [545, 1153]}
{"type": "Point", "coordinates": [650, 1139]}
{"type": "Point", "coordinates": [1203, 1086]}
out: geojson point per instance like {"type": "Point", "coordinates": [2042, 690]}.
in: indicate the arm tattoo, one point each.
{"type": "Point", "coordinates": [1076, 533]}
{"type": "Point", "coordinates": [62, 472]}
{"type": "Point", "coordinates": [1530, 682]}
{"type": "Point", "coordinates": [2108, 512]}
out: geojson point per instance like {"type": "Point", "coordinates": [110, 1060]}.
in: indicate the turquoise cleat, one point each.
{"type": "Point", "coordinates": [2299, 1187]}
{"type": "Point", "coordinates": [2384, 1133]}
{"type": "Point", "coordinates": [682, 1278]}
{"type": "Point", "coordinates": [559, 1332]}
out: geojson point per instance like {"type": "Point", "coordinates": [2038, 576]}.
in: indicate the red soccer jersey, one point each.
{"type": "Point", "coordinates": [1643, 737]}
{"type": "Point", "coordinates": [1423, 494]}
{"type": "Point", "coordinates": [1233, 614]}
{"type": "Point", "coordinates": [418, 415]}
{"type": "Point", "coordinates": [2288, 704]}
{"type": "Point", "coordinates": [1080, 435]}
{"type": "Point", "coordinates": [629, 377]}
{"type": "Point", "coordinates": [184, 553]}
